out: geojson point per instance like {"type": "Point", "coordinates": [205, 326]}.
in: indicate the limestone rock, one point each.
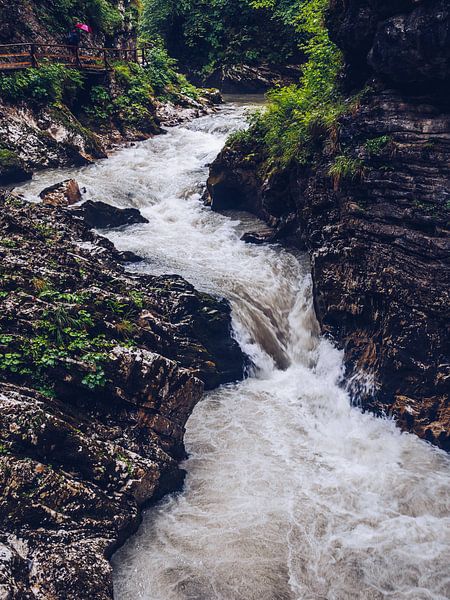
{"type": "Point", "coordinates": [379, 248]}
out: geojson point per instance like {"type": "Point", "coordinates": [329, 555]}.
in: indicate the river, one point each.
{"type": "Point", "coordinates": [291, 493]}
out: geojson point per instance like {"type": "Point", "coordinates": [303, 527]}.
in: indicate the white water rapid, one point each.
{"type": "Point", "coordinates": [291, 493]}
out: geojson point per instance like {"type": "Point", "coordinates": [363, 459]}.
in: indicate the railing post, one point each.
{"type": "Point", "coordinates": [34, 62]}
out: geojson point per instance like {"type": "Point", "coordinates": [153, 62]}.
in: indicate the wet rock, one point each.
{"type": "Point", "coordinates": [47, 137]}
{"type": "Point", "coordinates": [101, 369]}
{"type": "Point", "coordinates": [263, 236]}
{"type": "Point", "coordinates": [61, 194]}
{"type": "Point", "coordinates": [405, 41]}
{"type": "Point", "coordinates": [212, 96]}
{"type": "Point", "coordinates": [100, 215]}
{"type": "Point", "coordinates": [414, 47]}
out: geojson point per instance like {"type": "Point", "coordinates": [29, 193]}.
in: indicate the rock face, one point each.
{"type": "Point", "coordinates": [378, 239]}
{"type": "Point", "coordinates": [100, 369]}
{"type": "Point", "coordinates": [405, 41]}
{"type": "Point", "coordinates": [46, 137]}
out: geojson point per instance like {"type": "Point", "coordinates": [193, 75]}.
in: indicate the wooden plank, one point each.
{"type": "Point", "coordinates": [10, 67]}
{"type": "Point", "coordinates": [14, 55]}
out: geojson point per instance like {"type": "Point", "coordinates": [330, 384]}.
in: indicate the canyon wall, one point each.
{"type": "Point", "coordinates": [372, 208]}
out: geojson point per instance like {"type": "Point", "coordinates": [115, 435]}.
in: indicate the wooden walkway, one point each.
{"type": "Point", "coordinates": [14, 57]}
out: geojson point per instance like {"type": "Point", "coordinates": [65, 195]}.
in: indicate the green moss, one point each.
{"type": "Point", "coordinates": [8, 158]}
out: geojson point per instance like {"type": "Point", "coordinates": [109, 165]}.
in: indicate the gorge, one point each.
{"type": "Point", "coordinates": [218, 359]}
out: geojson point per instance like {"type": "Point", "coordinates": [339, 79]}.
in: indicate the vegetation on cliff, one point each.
{"type": "Point", "coordinates": [296, 116]}
{"type": "Point", "coordinates": [113, 21]}
{"type": "Point", "coordinates": [89, 113]}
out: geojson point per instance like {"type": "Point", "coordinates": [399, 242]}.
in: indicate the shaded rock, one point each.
{"type": "Point", "coordinates": [406, 41]}
{"type": "Point", "coordinates": [61, 194]}
{"type": "Point", "coordinates": [414, 47]}
{"type": "Point", "coordinates": [263, 236]}
{"type": "Point", "coordinates": [212, 96]}
{"type": "Point", "coordinates": [12, 168]}
{"type": "Point", "coordinates": [249, 79]}
{"type": "Point", "coordinates": [100, 215]}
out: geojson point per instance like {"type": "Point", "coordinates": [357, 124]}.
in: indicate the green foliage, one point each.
{"type": "Point", "coordinates": [50, 83]}
{"type": "Point", "coordinates": [206, 34]}
{"type": "Point", "coordinates": [8, 243]}
{"type": "Point", "coordinates": [299, 115]}
{"type": "Point", "coordinates": [139, 87]}
{"type": "Point", "coordinates": [375, 146]}
{"type": "Point", "coordinates": [3, 449]}
{"type": "Point", "coordinates": [345, 167]}
{"type": "Point", "coordinates": [65, 333]}
{"type": "Point", "coordinates": [102, 15]}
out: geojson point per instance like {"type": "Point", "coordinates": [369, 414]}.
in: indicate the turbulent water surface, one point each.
{"type": "Point", "coordinates": [291, 493]}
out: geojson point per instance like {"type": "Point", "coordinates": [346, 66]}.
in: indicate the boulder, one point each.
{"type": "Point", "coordinates": [100, 215]}
{"type": "Point", "coordinates": [12, 168]}
{"type": "Point", "coordinates": [65, 193]}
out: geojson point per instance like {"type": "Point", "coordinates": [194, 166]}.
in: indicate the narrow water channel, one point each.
{"type": "Point", "coordinates": [291, 493]}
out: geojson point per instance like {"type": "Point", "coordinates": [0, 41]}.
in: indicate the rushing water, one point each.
{"type": "Point", "coordinates": [291, 493]}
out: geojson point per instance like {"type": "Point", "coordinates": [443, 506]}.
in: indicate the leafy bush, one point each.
{"type": "Point", "coordinates": [139, 87]}
{"type": "Point", "coordinates": [102, 15]}
{"type": "Point", "coordinates": [375, 146]}
{"type": "Point", "coordinates": [298, 114]}
{"type": "Point", "coordinates": [50, 83]}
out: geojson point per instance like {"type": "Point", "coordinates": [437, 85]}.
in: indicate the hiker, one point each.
{"type": "Point", "coordinates": [73, 40]}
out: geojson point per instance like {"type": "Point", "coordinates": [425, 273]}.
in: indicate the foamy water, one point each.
{"type": "Point", "coordinates": [291, 493]}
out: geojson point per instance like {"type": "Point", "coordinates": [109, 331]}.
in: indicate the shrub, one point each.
{"type": "Point", "coordinates": [207, 34]}
{"type": "Point", "coordinates": [103, 15]}
{"type": "Point", "coordinates": [49, 83]}
{"type": "Point", "coordinates": [375, 146]}
{"type": "Point", "coordinates": [297, 114]}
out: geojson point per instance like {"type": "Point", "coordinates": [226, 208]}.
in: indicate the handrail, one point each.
{"type": "Point", "coordinates": [69, 55]}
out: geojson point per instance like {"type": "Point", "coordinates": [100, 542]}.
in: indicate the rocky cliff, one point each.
{"type": "Point", "coordinates": [100, 370]}
{"type": "Point", "coordinates": [372, 208]}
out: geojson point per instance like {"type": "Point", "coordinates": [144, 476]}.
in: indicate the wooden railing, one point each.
{"type": "Point", "coordinates": [14, 57]}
